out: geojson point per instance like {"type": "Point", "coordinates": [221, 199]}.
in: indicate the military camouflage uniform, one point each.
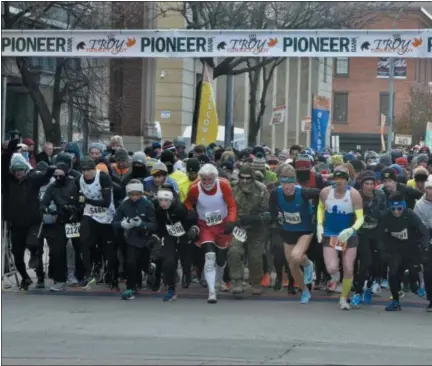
{"type": "Point", "coordinates": [249, 203]}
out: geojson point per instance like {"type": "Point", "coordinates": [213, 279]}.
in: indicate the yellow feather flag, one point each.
{"type": "Point", "coordinates": [208, 122]}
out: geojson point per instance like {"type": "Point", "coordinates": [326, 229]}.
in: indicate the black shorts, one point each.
{"type": "Point", "coordinates": [352, 242]}
{"type": "Point", "coordinates": [292, 237]}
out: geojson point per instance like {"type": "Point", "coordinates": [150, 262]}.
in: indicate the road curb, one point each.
{"type": "Point", "coordinates": [222, 297]}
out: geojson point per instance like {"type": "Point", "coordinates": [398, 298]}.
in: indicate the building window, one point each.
{"type": "Point", "coordinates": [384, 106]}
{"type": "Point", "coordinates": [340, 107]}
{"type": "Point", "coordinates": [342, 66]}
{"type": "Point", "coordinates": [47, 64]}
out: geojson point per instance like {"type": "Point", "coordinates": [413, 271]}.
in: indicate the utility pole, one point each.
{"type": "Point", "coordinates": [229, 110]}
{"type": "Point", "coordinates": [391, 90]}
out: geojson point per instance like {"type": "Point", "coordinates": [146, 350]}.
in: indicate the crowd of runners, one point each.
{"type": "Point", "coordinates": [350, 223]}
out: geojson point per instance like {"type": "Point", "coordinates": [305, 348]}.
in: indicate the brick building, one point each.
{"type": "Point", "coordinates": [359, 97]}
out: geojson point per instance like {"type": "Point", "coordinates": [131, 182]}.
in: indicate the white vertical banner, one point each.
{"type": "Point", "coordinates": [309, 100]}
{"type": "Point", "coordinates": [297, 140]}
{"type": "Point", "coordinates": [287, 85]}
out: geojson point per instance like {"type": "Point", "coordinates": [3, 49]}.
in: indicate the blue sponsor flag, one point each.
{"type": "Point", "coordinates": [319, 124]}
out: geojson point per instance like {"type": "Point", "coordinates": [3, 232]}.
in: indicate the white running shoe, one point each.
{"type": "Point", "coordinates": [212, 298]}
{"type": "Point", "coordinates": [344, 304]}
{"type": "Point", "coordinates": [376, 288]}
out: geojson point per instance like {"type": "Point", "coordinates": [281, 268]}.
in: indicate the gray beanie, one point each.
{"type": "Point", "coordinates": [139, 157]}
{"type": "Point", "coordinates": [96, 145]}
{"type": "Point", "coordinates": [385, 159]}
{"type": "Point", "coordinates": [259, 163]}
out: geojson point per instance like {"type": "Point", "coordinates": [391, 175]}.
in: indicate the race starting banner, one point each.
{"type": "Point", "coordinates": [413, 43]}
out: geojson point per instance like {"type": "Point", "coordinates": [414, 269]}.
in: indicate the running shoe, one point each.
{"type": "Point", "coordinates": [308, 272]}
{"type": "Point", "coordinates": [224, 286]}
{"type": "Point", "coordinates": [128, 295]}
{"type": "Point", "coordinates": [266, 280]}
{"type": "Point", "coordinates": [376, 288]}
{"type": "Point", "coordinates": [343, 303]}
{"type": "Point", "coordinates": [384, 284]}
{"type": "Point", "coordinates": [212, 298]}
{"type": "Point", "coordinates": [394, 306]}
{"type": "Point", "coordinates": [257, 290]}
{"type": "Point", "coordinates": [58, 286]}
{"type": "Point", "coordinates": [367, 296]}
{"type": "Point", "coordinates": [421, 292]}
{"type": "Point", "coordinates": [170, 296]}
{"type": "Point", "coordinates": [87, 282]}
{"type": "Point", "coordinates": [25, 284]}
{"type": "Point", "coordinates": [402, 294]}
{"type": "Point", "coordinates": [331, 286]}
{"type": "Point", "coordinates": [278, 284]}
{"type": "Point", "coordinates": [72, 280]}
{"type": "Point", "coordinates": [305, 297]}
{"type": "Point", "coordinates": [356, 301]}
{"type": "Point", "coordinates": [40, 283]}
{"type": "Point", "coordinates": [429, 308]}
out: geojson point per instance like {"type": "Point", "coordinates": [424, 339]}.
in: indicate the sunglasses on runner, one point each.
{"type": "Point", "coordinates": [400, 208]}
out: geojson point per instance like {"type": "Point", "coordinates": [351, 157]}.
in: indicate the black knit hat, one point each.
{"type": "Point", "coordinates": [87, 163]}
{"type": "Point", "coordinates": [388, 173]}
{"type": "Point", "coordinates": [368, 175]}
{"type": "Point", "coordinates": [167, 156]}
{"type": "Point", "coordinates": [193, 165]}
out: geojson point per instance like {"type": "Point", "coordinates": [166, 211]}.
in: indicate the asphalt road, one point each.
{"type": "Point", "coordinates": [90, 330]}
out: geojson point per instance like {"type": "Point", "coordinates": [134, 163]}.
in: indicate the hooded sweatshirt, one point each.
{"type": "Point", "coordinates": [423, 209]}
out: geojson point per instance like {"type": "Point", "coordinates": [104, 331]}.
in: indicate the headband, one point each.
{"type": "Point", "coordinates": [134, 187]}
{"type": "Point", "coordinates": [341, 174]}
{"type": "Point", "coordinates": [288, 180]}
{"type": "Point", "coordinates": [164, 194]}
{"type": "Point", "coordinates": [396, 204]}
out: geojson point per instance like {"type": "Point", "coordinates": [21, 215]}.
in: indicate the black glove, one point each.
{"type": "Point", "coordinates": [155, 247]}
{"type": "Point", "coordinates": [51, 211]}
{"type": "Point", "coordinates": [229, 227]}
{"type": "Point", "coordinates": [193, 233]}
{"type": "Point", "coordinates": [249, 220]}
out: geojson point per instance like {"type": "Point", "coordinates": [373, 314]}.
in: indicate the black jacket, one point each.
{"type": "Point", "coordinates": [176, 213]}
{"type": "Point", "coordinates": [144, 209]}
{"type": "Point", "coordinates": [42, 156]}
{"type": "Point", "coordinates": [21, 199]}
{"type": "Point", "coordinates": [65, 197]}
{"type": "Point", "coordinates": [410, 194]}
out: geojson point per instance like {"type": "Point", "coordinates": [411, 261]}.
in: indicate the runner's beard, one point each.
{"type": "Point", "coordinates": [208, 187]}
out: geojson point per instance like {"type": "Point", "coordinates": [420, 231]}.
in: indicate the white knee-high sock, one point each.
{"type": "Point", "coordinates": [210, 271]}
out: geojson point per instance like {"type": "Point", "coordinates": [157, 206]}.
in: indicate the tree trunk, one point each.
{"type": "Point", "coordinates": [253, 123]}
{"type": "Point", "coordinates": [52, 130]}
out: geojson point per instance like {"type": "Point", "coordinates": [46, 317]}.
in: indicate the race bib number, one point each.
{"type": "Point", "coordinates": [213, 218]}
{"type": "Point", "coordinates": [73, 230]}
{"type": "Point", "coordinates": [336, 244]}
{"type": "Point", "coordinates": [176, 229]}
{"type": "Point", "coordinates": [95, 210]}
{"type": "Point", "coordinates": [240, 234]}
{"type": "Point", "coordinates": [401, 235]}
{"type": "Point", "coordinates": [292, 218]}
